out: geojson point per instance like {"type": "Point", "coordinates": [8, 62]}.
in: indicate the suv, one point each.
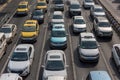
{"type": "Point", "coordinates": [58, 5]}
{"type": "Point", "coordinates": [102, 27]}
{"type": "Point", "coordinates": [88, 47]}
{"type": "Point", "coordinates": [116, 55]}
{"type": "Point", "coordinates": [74, 8]}
{"type": "Point", "coordinates": [10, 76]}
{"type": "Point", "coordinates": [79, 24]}
{"type": "Point", "coordinates": [23, 8]}
{"type": "Point", "coordinates": [21, 59]}
{"type": "Point", "coordinates": [55, 64]}
{"type": "Point", "coordinates": [3, 44]}
{"type": "Point", "coordinates": [58, 38]}
{"type": "Point", "coordinates": [30, 30]}
{"type": "Point", "coordinates": [96, 10]}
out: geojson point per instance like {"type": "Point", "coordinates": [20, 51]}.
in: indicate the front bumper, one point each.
{"type": "Point", "coordinates": [78, 30]}
{"type": "Point", "coordinates": [58, 45]}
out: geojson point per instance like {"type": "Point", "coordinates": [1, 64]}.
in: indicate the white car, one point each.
{"type": "Point", "coordinates": [79, 24]}
{"type": "Point", "coordinates": [10, 31]}
{"type": "Point", "coordinates": [116, 55]}
{"type": "Point", "coordinates": [102, 27]}
{"type": "Point", "coordinates": [97, 10]}
{"type": "Point", "coordinates": [10, 76]}
{"type": "Point", "coordinates": [88, 47]}
{"type": "Point", "coordinates": [21, 59]}
{"type": "Point", "coordinates": [54, 64]}
{"type": "Point", "coordinates": [56, 78]}
{"type": "Point", "coordinates": [87, 4]}
{"type": "Point", "coordinates": [57, 18]}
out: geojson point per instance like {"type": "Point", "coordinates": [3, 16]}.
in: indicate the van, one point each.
{"type": "Point", "coordinates": [3, 44]}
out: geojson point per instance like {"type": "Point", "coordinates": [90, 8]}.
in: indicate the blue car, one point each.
{"type": "Point", "coordinates": [98, 75]}
{"type": "Point", "coordinates": [58, 38]}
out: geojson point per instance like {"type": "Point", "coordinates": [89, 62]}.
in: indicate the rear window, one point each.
{"type": "Point", "coordinates": [117, 50]}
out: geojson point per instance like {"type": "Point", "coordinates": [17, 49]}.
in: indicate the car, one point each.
{"type": "Point", "coordinates": [79, 24]}
{"type": "Point", "coordinates": [30, 31]}
{"type": "Point", "coordinates": [116, 55]}
{"type": "Point", "coordinates": [58, 38]}
{"type": "Point", "coordinates": [88, 47]}
{"type": "Point", "coordinates": [58, 5]}
{"type": "Point", "coordinates": [10, 76]}
{"type": "Point", "coordinates": [57, 18]}
{"type": "Point", "coordinates": [21, 60]}
{"type": "Point", "coordinates": [42, 5]}
{"type": "Point", "coordinates": [102, 27]}
{"type": "Point", "coordinates": [3, 44]}
{"type": "Point", "coordinates": [74, 8]}
{"type": "Point", "coordinates": [55, 64]}
{"type": "Point", "coordinates": [98, 75]}
{"type": "Point", "coordinates": [23, 8]}
{"type": "Point", "coordinates": [9, 30]}
{"type": "Point", "coordinates": [38, 15]}
{"type": "Point", "coordinates": [56, 78]}
{"type": "Point", "coordinates": [96, 11]}
{"type": "Point", "coordinates": [87, 4]}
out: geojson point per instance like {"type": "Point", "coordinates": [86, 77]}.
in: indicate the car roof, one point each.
{"type": "Point", "coordinates": [22, 47]}
{"type": "Point", "coordinates": [9, 76]}
{"type": "Point", "coordinates": [23, 3]}
{"type": "Point", "coordinates": [30, 23]}
{"type": "Point", "coordinates": [101, 19]}
{"type": "Point", "coordinates": [55, 77]}
{"type": "Point", "coordinates": [99, 75]}
{"type": "Point", "coordinates": [55, 55]}
{"type": "Point", "coordinates": [78, 17]}
{"type": "Point", "coordinates": [57, 13]}
{"type": "Point", "coordinates": [7, 25]}
{"type": "Point", "coordinates": [1, 34]}
{"type": "Point", "coordinates": [87, 36]}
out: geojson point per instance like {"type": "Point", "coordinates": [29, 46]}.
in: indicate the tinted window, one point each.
{"type": "Point", "coordinates": [55, 65]}
{"type": "Point", "coordinates": [58, 34]}
{"type": "Point", "coordinates": [28, 28]}
{"type": "Point", "coordinates": [57, 17]}
{"type": "Point", "coordinates": [74, 6]}
{"type": "Point", "coordinates": [22, 6]}
{"type": "Point", "coordinates": [5, 30]}
{"type": "Point", "coordinates": [41, 4]}
{"type": "Point", "coordinates": [104, 24]}
{"type": "Point", "coordinates": [37, 13]}
{"type": "Point", "coordinates": [79, 21]}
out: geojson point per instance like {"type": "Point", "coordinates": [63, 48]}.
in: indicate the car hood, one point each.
{"type": "Point", "coordinates": [90, 52]}
{"type": "Point", "coordinates": [55, 73]}
{"type": "Point", "coordinates": [18, 65]}
{"type": "Point", "coordinates": [57, 20]}
{"type": "Point", "coordinates": [8, 35]}
{"type": "Point", "coordinates": [58, 39]}
{"type": "Point", "coordinates": [79, 25]}
{"type": "Point", "coordinates": [28, 34]}
{"type": "Point", "coordinates": [105, 29]}
{"type": "Point", "coordinates": [99, 13]}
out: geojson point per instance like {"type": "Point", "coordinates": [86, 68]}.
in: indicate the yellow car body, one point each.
{"type": "Point", "coordinates": [41, 5]}
{"type": "Point", "coordinates": [23, 8]}
{"type": "Point", "coordinates": [30, 30]}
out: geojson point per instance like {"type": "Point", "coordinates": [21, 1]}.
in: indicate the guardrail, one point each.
{"type": "Point", "coordinates": [114, 22]}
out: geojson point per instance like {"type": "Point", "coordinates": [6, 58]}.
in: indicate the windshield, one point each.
{"type": "Point", "coordinates": [99, 10]}
{"type": "Point", "coordinates": [104, 24]}
{"type": "Point", "coordinates": [58, 2]}
{"type": "Point", "coordinates": [57, 17]}
{"type": "Point", "coordinates": [41, 4]}
{"type": "Point", "coordinates": [88, 44]}
{"type": "Point", "coordinates": [19, 56]}
{"type": "Point", "coordinates": [79, 21]}
{"type": "Point", "coordinates": [37, 13]}
{"type": "Point", "coordinates": [75, 6]}
{"type": "Point", "coordinates": [89, 0]}
{"type": "Point", "coordinates": [58, 34]}
{"type": "Point", "coordinates": [55, 65]}
{"type": "Point", "coordinates": [22, 6]}
{"type": "Point", "coordinates": [28, 29]}
{"type": "Point", "coordinates": [5, 30]}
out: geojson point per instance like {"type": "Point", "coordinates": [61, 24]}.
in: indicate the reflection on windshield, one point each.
{"type": "Point", "coordinates": [104, 24]}
{"type": "Point", "coordinates": [5, 30]}
{"type": "Point", "coordinates": [55, 65]}
{"type": "Point", "coordinates": [88, 44]}
{"type": "Point", "coordinates": [58, 34]}
{"type": "Point", "coordinates": [19, 56]}
{"type": "Point", "coordinates": [28, 29]}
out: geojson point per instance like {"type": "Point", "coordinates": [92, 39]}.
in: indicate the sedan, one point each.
{"type": "Point", "coordinates": [21, 59]}
{"type": "Point", "coordinates": [9, 30]}
{"type": "Point", "coordinates": [54, 64]}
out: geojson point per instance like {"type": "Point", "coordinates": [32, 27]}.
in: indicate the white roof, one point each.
{"type": "Point", "coordinates": [55, 77]}
{"type": "Point", "coordinates": [78, 17]}
{"type": "Point", "coordinates": [57, 13]}
{"type": "Point", "coordinates": [9, 76]}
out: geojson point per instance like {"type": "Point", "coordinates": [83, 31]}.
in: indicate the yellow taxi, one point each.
{"type": "Point", "coordinates": [30, 30]}
{"type": "Point", "coordinates": [42, 5]}
{"type": "Point", "coordinates": [23, 8]}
